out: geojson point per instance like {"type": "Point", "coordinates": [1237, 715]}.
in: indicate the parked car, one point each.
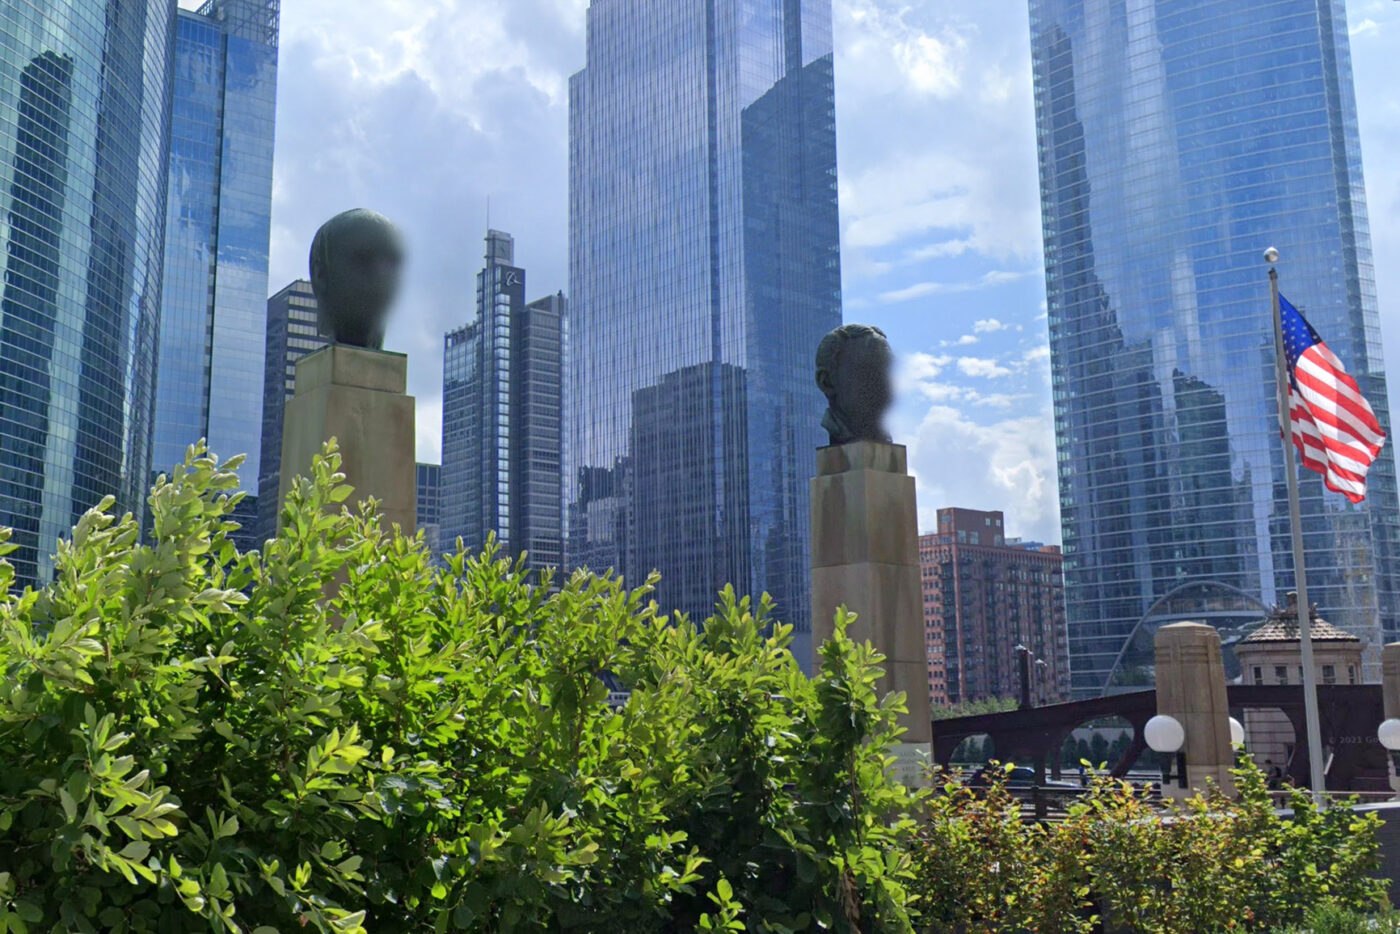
{"type": "Point", "coordinates": [1020, 777]}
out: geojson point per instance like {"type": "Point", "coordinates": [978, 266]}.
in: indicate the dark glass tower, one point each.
{"type": "Point", "coordinates": [704, 270]}
{"type": "Point", "coordinates": [213, 325]}
{"type": "Point", "coordinates": [292, 333]}
{"type": "Point", "coordinates": [84, 128]}
{"type": "Point", "coordinates": [1177, 141]}
{"type": "Point", "coordinates": [502, 412]}
{"type": "Point", "coordinates": [429, 516]}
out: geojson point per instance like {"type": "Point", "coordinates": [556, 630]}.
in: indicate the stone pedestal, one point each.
{"type": "Point", "coordinates": [1390, 698]}
{"type": "Point", "coordinates": [1191, 688]}
{"type": "Point", "coordinates": [359, 397]}
{"type": "Point", "coordinates": [865, 556]}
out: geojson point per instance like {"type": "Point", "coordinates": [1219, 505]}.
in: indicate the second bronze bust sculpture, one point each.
{"type": "Point", "coordinates": [853, 371]}
{"type": "Point", "coordinates": [356, 257]}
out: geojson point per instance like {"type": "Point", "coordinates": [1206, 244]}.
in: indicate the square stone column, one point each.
{"type": "Point", "coordinates": [1390, 700]}
{"type": "Point", "coordinates": [1191, 688]}
{"type": "Point", "coordinates": [865, 556]}
{"type": "Point", "coordinates": [359, 397]}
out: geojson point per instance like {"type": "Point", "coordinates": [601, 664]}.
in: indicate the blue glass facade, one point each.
{"type": "Point", "coordinates": [213, 323]}
{"type": "Point", "coordinates": [84, 124]}
{"type": "Point", "coordinates": [1178, 139]}
{"type": "Point", "coordinates": [502, 416]}
{"type": "Point", "coordinates": [429, 516]}
{"type": "Point", "coordinates": [292, 333]}
{"type": "Point", "coordinates": [704, 270]}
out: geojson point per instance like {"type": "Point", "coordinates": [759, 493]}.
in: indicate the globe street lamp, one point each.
{"type": "Point", "coordinates": [1236, 732]}
{"type": "Point", "coordinates": [1389, 735]}
{"type": "Point", "coordinates": [1166, 735]}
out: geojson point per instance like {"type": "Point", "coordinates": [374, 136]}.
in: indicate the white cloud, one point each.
{"type": "Point", "coordinates": [892, 52]}
{"type": "Point", "coordinates": [1008, 465]}
{"type": "Point", "coordinates": [918, 366]}
{"type": "Point", "coordinates": [982, 367]}
{"type": "Point", "coordinates": [1367, 27]}
{"type": "Point", "coordinates": [927, 64]}
{"type": "Point", "coordinates": [964, 341]}
{"type": "Point", "coordinates": [941, 250]}
{"type": "Point", "coordinates": [922, 289]}
{"type": "Point", "coordinates": [988, 326]}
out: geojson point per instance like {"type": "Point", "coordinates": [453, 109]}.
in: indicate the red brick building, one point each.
{"type": "Point", "coordinates": [984, 595]}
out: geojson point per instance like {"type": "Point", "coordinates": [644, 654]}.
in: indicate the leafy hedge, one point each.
{"type": "Point", "coordinates": [197, 739]}
{"type": "Point", "coordinates": [334, 734]}
{"type": "Point", "coordinates": [1215, 864]}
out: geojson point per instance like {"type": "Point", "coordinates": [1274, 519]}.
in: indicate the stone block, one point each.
{"type": "Point", "coordinates": [865, 556]}
{"type": "Point", "coordinates": [1390, 679]}
{"type": "Point", "coordinates": [1191, 688]}
{"type": "Point", "coordinates": [356, 396]}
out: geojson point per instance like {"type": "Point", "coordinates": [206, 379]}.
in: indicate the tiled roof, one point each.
{"type": "Point", "coordinates": [1282, 626]}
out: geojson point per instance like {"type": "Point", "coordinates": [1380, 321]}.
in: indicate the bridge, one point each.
{"type": "Point", "coordinates": [1034, 736]}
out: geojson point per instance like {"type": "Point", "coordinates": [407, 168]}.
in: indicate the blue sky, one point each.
{"type": "Point", "coordinates": [424, 109]}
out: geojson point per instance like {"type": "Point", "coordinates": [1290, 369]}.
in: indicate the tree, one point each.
{"type": "Point", "coordinates": [333, 734]}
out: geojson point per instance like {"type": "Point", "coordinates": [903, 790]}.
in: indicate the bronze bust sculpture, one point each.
{"type": "Point", "coordinates": [355, 261]}
{"type": "Point", "coordinates": [853, 371]}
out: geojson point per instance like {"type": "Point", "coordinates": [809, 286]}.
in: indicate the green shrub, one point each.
{"type": "Point", "coordinates": [198, 739]}
{"type": "Point", "coordinates": [1328, 919]}
{"type": "Point", "coordinates": [1210, 864]}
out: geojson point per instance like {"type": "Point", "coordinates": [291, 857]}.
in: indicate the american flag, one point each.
{"type": "Point", "coordinates": [1334, 429]}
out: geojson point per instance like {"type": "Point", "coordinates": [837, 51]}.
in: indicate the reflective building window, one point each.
{"type": "Point", "coordinates": [209, 381]}
{"type": "Point", "coordinates": [428, 516]}
{"type": "Point", "coordinates": [704, 270]}
{"type": "Point", "coordinates": [502, 416]}
{"type": "Point", "coordinates": [84, 122]}
{"type": "Point", "coordinates": [1178, 139]}
{"type": "Point", "coordinates": [292, 333]}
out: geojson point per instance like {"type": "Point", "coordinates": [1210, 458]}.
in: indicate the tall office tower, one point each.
{"type": "Point", "coordinates": [291, 334]}
{"type": "Point", "coordinates": [985, 595]}
{"type": "Point", "coordinates": [1177, 141]}
{"type": "Point", "coordinates": [429, 516]}
{"type": "Point", "coordinates": [502, 411]}
{"type": "Point", "coordinates": [704, 271]}
{"type": "Point", "coordinates": [213, 323]}
{"type": "Point", "coordinates": [84, 132]}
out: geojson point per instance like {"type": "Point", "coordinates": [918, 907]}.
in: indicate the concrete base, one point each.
{"type": "Point", "coordinates": [359, 397]}
{"type": "Point", "coordinates": [911, 763]}
{"type": "Point", "coordinates": [1191, 688]}
{"type": "Point", "coordinates": [1390, 701]}
{"type": "Point", "coordinates": [865, 556]}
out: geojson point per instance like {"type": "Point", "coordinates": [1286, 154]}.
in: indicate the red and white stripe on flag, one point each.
{"type": "Point", "coordinates": [1334, 428]}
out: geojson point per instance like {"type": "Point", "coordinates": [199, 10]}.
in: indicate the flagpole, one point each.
{"type": "Point", "coordinates": [1295, 524]}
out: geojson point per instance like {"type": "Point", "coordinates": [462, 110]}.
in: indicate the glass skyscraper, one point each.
{"type": "Point", "coordinates": [704, 271]}
{"type": "Point", "coordinates": [209, 382]}
{"type": "Point", "coordinates": [429, 516]}
{"type": "Point", "coordinates": [84, 124]}
{"type": "Point", "coordinates": [502, 418]}
{"type": "Point", "coordinates": [292, 333]}
{"type": "Point", "coordinates": [1178, 139]}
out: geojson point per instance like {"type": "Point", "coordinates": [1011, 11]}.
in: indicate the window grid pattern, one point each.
{"type": "Point", "coordinates": [1177, 140]}
{"type": "Point", "coordinates": [704, 270]}
{"type": "Point", "coordinates": [292, 333]}
{"type": "Point", "coordinates": [84, 125]}
{"type": "Point", "coordinates": [501, 417]}
{"type": "Point", "coordinates": [209, 382]}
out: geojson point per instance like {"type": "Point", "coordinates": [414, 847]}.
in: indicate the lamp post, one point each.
{"type": "Point", "coordinates": [1389, 735]}
{"type": "Point", "coordinates": [1023, 657]}
{"type": "Point", "coordinates": [1166, 735]}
